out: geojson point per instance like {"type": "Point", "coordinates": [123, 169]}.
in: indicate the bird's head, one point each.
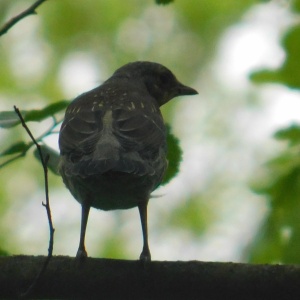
{"type": "Point", "coordinates": [160, 82]}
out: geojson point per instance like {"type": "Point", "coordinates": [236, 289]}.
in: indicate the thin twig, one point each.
{"type": "Point", "coordinates": [29, 11]}
{"type": "Point", "coordinates": [44, 161]}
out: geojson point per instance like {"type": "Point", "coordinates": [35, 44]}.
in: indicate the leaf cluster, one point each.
{"type": "Point", "coordinates": [279, 239]}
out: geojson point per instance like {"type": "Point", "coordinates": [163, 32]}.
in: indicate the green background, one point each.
{"type": "Point", "coordinates": [229, 190]}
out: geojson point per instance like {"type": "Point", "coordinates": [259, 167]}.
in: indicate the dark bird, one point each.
{"type": "Point", "coordinates": [113, 142]}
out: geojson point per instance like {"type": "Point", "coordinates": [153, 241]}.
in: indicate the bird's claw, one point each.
{"type": "Point", "coordinates": [81, 254]}
{"type": "Point", "coordinates": [145, 256]}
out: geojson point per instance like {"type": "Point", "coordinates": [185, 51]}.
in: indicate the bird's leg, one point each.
{"type": "Point", "coordinates": [81, 252]}
{"type": "Point", "coordinates": [145, 255]}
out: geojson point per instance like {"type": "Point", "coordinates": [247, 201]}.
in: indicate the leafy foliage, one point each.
{"type": "Point", "coordinates": [10, 119]}
{"type": "Point", "coordinates": [279, 239]}
{"type": "Point", "coordinates": [38, 115]}
{"type": "Point", "coordinates": [289, 73]}
{"type": "Point", "coordinates": [296, 6]}
{"type": "Point", "coordinates": [290, 134]}
{"type": "Point", "coordinates": [3, 252]}
{"type": "Point", "coordinates": [19, 147]}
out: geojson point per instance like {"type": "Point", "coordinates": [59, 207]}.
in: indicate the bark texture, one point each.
{"type": "Point", "coordinates": [66, 277]}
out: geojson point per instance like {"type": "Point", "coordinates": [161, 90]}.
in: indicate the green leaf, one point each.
{"type": "Point", "coordinates": [279, 239]}
{"type": "Point", "coordinates": [289, 73]}
{"type": "Point", "coordinates": [53, 157]}
{"type": "Point", "coordinates": [3, 252]}
{"type": "Point", "coordinates": [8, 119]}
{"type": "Point", "coordinates": [164, 2]}
{"type": "Point", "coordinates": [173, 156]}
{"type": "Point", "coordinates": [19, 147]}
{"type": "Point", "coordinates": [48, 111]}
{"type": "Point", "coordinates": [295, 5]}
{"type": "Point", "coordinates": [291, 133]}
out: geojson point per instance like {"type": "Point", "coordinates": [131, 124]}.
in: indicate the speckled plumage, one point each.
{"type": "Point", "coordinates": [113, 141]}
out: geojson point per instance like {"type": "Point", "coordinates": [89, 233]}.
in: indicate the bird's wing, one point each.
{"type": "Point", "coordinates": [79, 135]}
{"type": "Point", "coordinates": [95, 141]}
{"type": "Point", "coordinates": [139, 132]}
{"type": "Point", "coordinates": [142, 140]}
{"type": "Point", "coordinates": [79, 132]}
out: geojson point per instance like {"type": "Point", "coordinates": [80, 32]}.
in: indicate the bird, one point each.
{"type": "Point", "coordinates": [113, 142]}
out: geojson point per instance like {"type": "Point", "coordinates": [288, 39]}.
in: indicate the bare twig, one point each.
{"type": "Point", "coordinates": [29, 11]}
{"type": "Point", "coordinates": [44, 161]}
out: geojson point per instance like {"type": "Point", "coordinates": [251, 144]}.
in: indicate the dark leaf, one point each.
{"type": "Point", "coordinates": [19, 147]}
{"type": "Point", "coordinates": [41, 114]}
{"type": "Point", "coordinates": [8, 119]}
{"type": "Point", "coordinates": [289, 73]}
{"type": "Point", "coordinates": [174, 156]}
{"type": "Point", "coordinates": [163, 1]}
{"type": "Point", "coordinates": [292, 134]}
{"type": "Point", "coordinates": [3, 252]}
{"type": "Point", "coordinates": [279, 240]}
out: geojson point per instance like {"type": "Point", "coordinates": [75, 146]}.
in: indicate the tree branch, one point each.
{"type": "Point", "coordinates": [29, 11]}
{"type": "Point", "coordinates": [44, 161]}
{"type": "Point", "coordinates": [121, 279]}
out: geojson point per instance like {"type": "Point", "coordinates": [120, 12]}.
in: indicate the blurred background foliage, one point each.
{"type": "Point", "coordinates": [236, 196]}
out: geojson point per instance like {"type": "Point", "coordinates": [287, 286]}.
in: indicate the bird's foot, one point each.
{"type": "Point", "coordinates": [81, 254]}
{"type": "Point", "coordinates": [145, 256]}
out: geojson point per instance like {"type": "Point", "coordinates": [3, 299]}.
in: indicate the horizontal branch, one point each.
{"type": "Point", "coordinates": [65, 277]}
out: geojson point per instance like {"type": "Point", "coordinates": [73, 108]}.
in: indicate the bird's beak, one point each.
{"type": "Point", "coordinates": [185, 90]}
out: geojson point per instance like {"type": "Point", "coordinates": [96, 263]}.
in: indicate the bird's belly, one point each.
{"type": "Point", "coordinates": [111, 191]}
